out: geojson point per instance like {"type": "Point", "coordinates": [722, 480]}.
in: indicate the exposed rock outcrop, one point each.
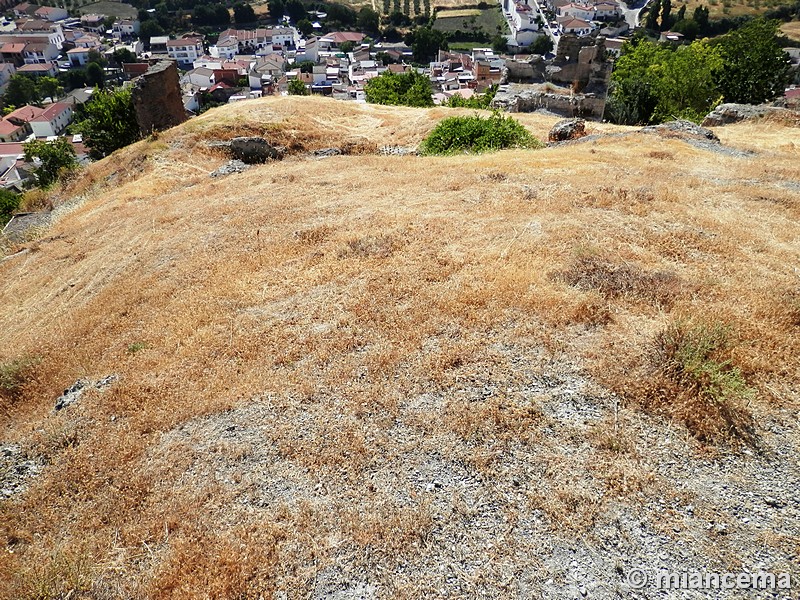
{"type": "Point", "coordinates": [724, 114]}
{"type": "Point", "coordinates": [683, 130]}
{"type": "Point", "coordinates": [254, 150]}
{"type": "Point", "coordinates": [567, 129]}
{"type": "Point", "coordinates": [157, 98]}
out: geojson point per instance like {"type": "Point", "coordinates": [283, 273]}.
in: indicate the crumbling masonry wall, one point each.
{"type": "Point", "coordinates": [157, 98]}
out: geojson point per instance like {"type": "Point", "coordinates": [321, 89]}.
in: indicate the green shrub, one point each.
{"type": "Point", "coordinates": [477, 134]}
{"type": "Point", "coordinates": [13, 376]}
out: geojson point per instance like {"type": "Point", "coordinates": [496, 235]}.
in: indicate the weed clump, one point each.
{"type": "Point", "coordinates": [621, 281]}
{"type": "Point", "coordinates": [697, 382]}
{"type": "Point", "coordinates": [455, 135]}
{"type": "Point", "coordinates": [14, 374]}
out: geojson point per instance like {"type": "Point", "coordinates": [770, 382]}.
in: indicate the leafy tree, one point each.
{"type": "Point", "coordinates": [298, 88]}
{"type": "Point", "coordinates": [347, 46]}
{"type": "Point", "coordinates": [149, 29]}
{"type": "Point", "coordinates": [689, 29]}
{"type": "Point", "coordinates": [216, 15]}
{"type": "Point", "coordinates": [108, 122]}
{"type": "Point", "coordinates": [651, 22]}
{"type": "Point", "coordinates": [368, 20]}
{"type": "Point", "coordinates": [276, 8]}
{"type": "Point", "coordinates": [426, 42]}
{"type": "Point", "coordinates": [243, 13]}
{"type": "Point", "coordinates": [54, 158]}
{"type": "Point", "coordinates": [341, 14]}
{"type": "Point", "coordinates": [305, 27]}
{"type": "Point", "coordinates": [306, 66]}
{"type": "Point", "coordinates": [95, 75]}
{"type": "Point", "coordinates": [396, 7]}
{"type": "Point", "coordinates": [21, 90]}
{"type": "Point", "coordinates": [48, 87]}
{"type": "Point", "coordinates": [652, 83]}
{"type": "Point", "coordinates": [9, 203]}
{"type": "Point", "coordinates": [387, 5]}
{"type": "Point", "coordinates": [681, 13]}
{"type": "Point", "coordinates": [417, 7]}
{"type": "Point", "coordinates": [754, 67]}
{"type": "Point", "coordinates": [398, 19]}
{"type": "Point", "coordinates": [95, 57]}
{"type": "Point", "coordinates": [499, 43]}
{"type": "Point", "coordinates": [407, 7]}
{"type": "Point", "coordinates": [666, 18]}
{"type": "Point", "coordinates": [427, 5]}
{"type": "Point", "coordinates": [685, 83]}
{"type": "Point", "coordinates": [123, 55]}
{"type": "Point", "coordinates": [542, 45]}
{"type": "Point", "coordinates": [72, 79]}
{"type": "Point", "coordinates": [296, 11]}
{"type": "Point", "coordinates": [700, 17]}
{"type": "Point", "coordinates": [384, 58]}
{"type": "Point", "coordinates": [405, 89]}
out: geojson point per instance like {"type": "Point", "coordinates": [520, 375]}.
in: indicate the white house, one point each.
{"type": "Point", "coordinates": [225, 49]}
{"type": "Point", "coordinates": [51, 13]}
{"type": "Point", "coordinates": [185, 50]}
{"type": "Point", "coordinates": [52, 121]}
{"type": "Point", "coordinates": [201, 77]}
{"type": "Point", "coordinates": [125, 28]}
{"type": "Point", "coordinates": [78, 57]}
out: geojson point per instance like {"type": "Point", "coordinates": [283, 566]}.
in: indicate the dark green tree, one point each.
{"type": "Point", "coordinates": [297, 88]}
{"type": "Point", "coordinates": [296, 11]}
{"type": "Point", "coordinates": [95, 75]}
{"type": "Point", "coordinates": [755, 68]}
{"type": "Point", "coordinates": [9, 203]}
{"type": "Point", "coordinates": [427, 5]}
{"type": "Point", "coordinates": [407, 8]}
{"type": "Point", "coordinates": [368, 21]}
{"type": "Point", "coordinates": [149, 29]}
{"type": "Point", "coordinates": [243, 13]}
{"type": "Point", "coordinates": [72, 79]}
{"type": "Point", "coordinates": [666, 16]}
{"type": "Point", "coordinates": [700, 17]}
{"type": "Point", "coordinates": [404, 89]}
{"type": "Point", "coordinates": [21, 90]}
{"type": "Point", "coordinates": [500, 43]}
{"type": "Point", "coordinates": [276, 8]}
{"type": "Point", "coordinates": [426, 43]}
{"type": "Point", "coordinates": [48, 87]}
{"type": "Point", "coordinates": [53, 159]}
{"type": "Point", "coordinates": [387, 5]}
{"type": "Point", "coordinates": [651, 22]}
{"type": "Point", "coordinates": [123, 55]}
{"type": "Point", "coordinates": [417, 8]}
{"type": "Point", "coordinates": [681, 13]}
{"type": "Point", "coordinates": [305, 27]}
{"type": "Point", "coordinates": [542, 45]}
{"type": "Point", "coordinates": [108, 122]}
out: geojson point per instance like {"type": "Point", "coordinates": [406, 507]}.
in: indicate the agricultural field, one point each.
{"type": "Point", "coordinates": [471, 22]}
{"type": "Point", "coordinates": [730, 8]}
{"type": "Point", "coordinates": [791, 30]}
{"type": "Point", "coordinates": [112, 9]}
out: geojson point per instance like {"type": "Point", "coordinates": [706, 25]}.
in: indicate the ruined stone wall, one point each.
{"type": "Point", "coordinates": [157, 98]}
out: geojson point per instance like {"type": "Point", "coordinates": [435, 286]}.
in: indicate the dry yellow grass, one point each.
{"type": "Point", "coordinates": [349, 306]}
{"type": "Point", "coordinates": [791, 30]}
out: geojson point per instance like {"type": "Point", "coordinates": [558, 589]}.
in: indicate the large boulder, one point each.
{"type": "Point", "coordinates": [567, 129]}
{"type": "Point", "coordinates": [253, 150]}
{"type": "Point", "coordinates": [725, 114]}
{"type": "Point", "coordinates": [157, 98]}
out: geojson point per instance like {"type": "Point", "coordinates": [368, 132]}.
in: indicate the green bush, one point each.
{"type": "Point", "coordinates": [477, 134]}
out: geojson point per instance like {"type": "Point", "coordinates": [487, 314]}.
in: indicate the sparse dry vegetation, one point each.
{"type": "Point", "coordinates": [395, 376]}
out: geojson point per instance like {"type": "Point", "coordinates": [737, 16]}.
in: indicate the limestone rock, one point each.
{"type": "Point", "coordinates": [567, 129]}
{"type": "Point", "coordinates": [725, 114]}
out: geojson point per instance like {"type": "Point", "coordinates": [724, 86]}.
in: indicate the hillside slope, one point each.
{"type": "Point", "coordinates": [404, 377]}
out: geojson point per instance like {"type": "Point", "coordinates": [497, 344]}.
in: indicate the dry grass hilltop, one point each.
{"type": "Point", "coordinates": [511, 375]}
